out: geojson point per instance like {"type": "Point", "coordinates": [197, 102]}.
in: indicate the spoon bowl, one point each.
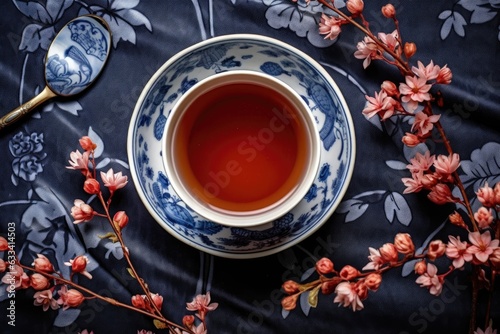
{"type": "Point", "coordinates": [74, 59]}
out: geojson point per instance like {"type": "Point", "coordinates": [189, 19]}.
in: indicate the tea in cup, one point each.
{"type": "Point", "coordinates": [241, 148]}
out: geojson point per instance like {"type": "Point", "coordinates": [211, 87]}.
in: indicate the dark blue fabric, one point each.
{"type": "Point", "coordinates": [463, 35]}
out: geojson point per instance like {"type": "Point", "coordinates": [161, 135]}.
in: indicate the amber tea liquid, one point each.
{"type": "Point", "coordinates": [241, 147]}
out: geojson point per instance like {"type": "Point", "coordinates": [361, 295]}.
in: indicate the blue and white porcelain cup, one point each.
{"type": "Point", "coordinates": [241, 148]}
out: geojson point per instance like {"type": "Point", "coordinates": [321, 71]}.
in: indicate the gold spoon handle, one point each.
{"type": "Point", "coordinates": [25, 108]}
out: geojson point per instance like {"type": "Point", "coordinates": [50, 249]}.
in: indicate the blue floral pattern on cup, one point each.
{"type": "Point", "coordinates": [247, 52]}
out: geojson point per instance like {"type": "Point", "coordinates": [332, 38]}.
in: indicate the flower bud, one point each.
{"type": "Point", "coordinates": [355, 7]}
{"type": "Point", "coordinates": [390, 88]}
{"type": "Point", "coordinates": [39, 282]}
{"type": "Point", "coordinates": [444, 76]}
{"type": "Point", "coordinates": [372, 281]}
{"type": "Point", "coordinates": [410, 49]}
{"type": "Point", "coordinates": [289, 302]}
{"type": "Point", "coordinates": [361, 289]}
{"type": "Point", "coordinates": [486, 195]}
{"type": "Point", "coordinates": [411, 140]}
{"type": "Point", "coordinates": [139, 302]}
{"type": "Point", "coordinates": [157, 300]}
{"type": "Point", "coordinates": [74, 298]}
{"type": "Point", "coordinates": [436, 249]}
{"type": "Point", "coordinates": [91, 186]}
{"type": "Point", "coordinates": [403, 243]}
{"type": "Point", "coordinates": [4, 245]}
{"type": "Point", "coordinates": [43, 264]}
{"type": "Point", "coordinates": [495, 258]}
{"type": "Point", "coordinates": [79, 264]}
{"type": "Point", "coordinates": [497, 193]}
{"type": "Point", "coordinates": [329, 286]}
{"type": "Point", "coordinates": [456, 219]}
{"type": "Point", "coordinates": [388, 253]}
{"type": "Point", "coordinates": [389, 11]}
{"type": "Point", "coordinates": [348, 273]}
{"type": "Point", "coordinates": [290, 287]}
{"type": "Point", "coordinates": [87, 144]}
{"type": "Point", "coordinates": [120, 219]}
{"type": "Point", "coordinates": [420, 267]}
{"type": "Point", "coordinates": [324, 266]}
{"type": "Point", "coordinates": [188, 321]}
{"type": "Point", "coordinates": [483, 217]}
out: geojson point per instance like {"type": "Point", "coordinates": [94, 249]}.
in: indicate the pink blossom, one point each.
{"type": "Point", "coordinates": [483, 217]}
{"type": "Point", "coordinates": [429, 72]}
{"type": "Point", "coordinates": [347, 296]}
{"type": "Point", "coordinates": [201, 304]}
{"type": "Point", "coordinates": [447, 165]}
{"type": "Point", "coordinates": [390, 40]}
{"type": "Point", "coordinates": [4, 245]}
{"type": "Point", "coordinates": [86, 332]}
{"type": "Point", "coordinates": [330, 26]}
{"type": "Point", "coordinates": [431, 280]}
{"type": "Point", "coordinates": [444, 77]}
{"type": "Point", "coordinates": [44, 299]}
{"type": "Point", "coordinates": [420, 267]}
{"type": "Point", "coordinates": [367, 50]}
{"type": "Point", "coordinates": [413, 184]}
{"type": "Point", "coordinates": [113, 181]}
{"type": "Point", "coordinates": [486, 195]}
{"type": "Point", "coordinates": [414, 90]}
{"type": "Point", "coordinates": [81, 211]}
{"type": "Point", "coordinates": [375, 260]}
{"type": "Point", "coordinates": [79, 162]}
{"type": "Point", "coordinates": [380, 104]}
{"type": "Point", "coordinates": [17, 278]}
{"type": "Point", "coordinates": [482, 245]}
{"type": "Point", "coordinates": [423, 123]}
{"type": "Point", "coordinates": [455, 250]}
{"type": "Point", "coordinates": [421, 162]}
{"type": "Point", "coordinates": [488, 330]}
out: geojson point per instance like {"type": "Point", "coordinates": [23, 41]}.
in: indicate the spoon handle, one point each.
{"type": "Point", "coordinates": [25, 108]}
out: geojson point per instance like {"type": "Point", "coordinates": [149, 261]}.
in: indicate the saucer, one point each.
{"type": "Point", "coordinates": [253, 53]}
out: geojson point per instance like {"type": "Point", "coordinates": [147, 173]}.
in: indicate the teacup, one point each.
{"type": "Point", "coordinates": [241, 148]}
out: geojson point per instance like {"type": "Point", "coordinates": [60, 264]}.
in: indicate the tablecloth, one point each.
{"type": "Point", "coordinates": [37, 191]}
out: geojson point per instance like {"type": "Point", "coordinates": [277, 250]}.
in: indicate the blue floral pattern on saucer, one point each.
{"type": "Point", "coordinates": [241, 52]}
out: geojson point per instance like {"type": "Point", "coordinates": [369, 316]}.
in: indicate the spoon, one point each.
{"type": "Point", "coordinates": [74, 59]}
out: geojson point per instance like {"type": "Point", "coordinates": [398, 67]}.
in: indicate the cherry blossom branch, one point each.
{"type": "Point", "coordinates": [112, 301]}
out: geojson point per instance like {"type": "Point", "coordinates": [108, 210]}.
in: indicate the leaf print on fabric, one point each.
{"type": "Point", "coordinates": [299, 18]}
{"type": "Point", "coordinates": [481, 11]}
{"type": "Point", "coordinates": [396, 208]}
{"type": "Point", "coordinates": [483, 167]}
{"type": "Point", "coordinates": [122, 18]}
